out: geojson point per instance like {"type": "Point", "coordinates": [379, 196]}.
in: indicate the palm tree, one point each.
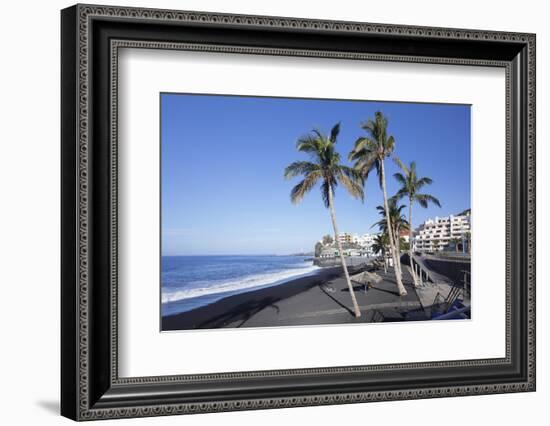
{"type": "Point", "coordinates": [411, 184]}
{"type": "Point", "coordinates": [327, 240]}
{"type": "Point", "coordinates": [369, 153]}
{"type": "Point", "coordinates": [318, 248]}
{"type": "Point", "coordinates": [380, 245]}
{"type": "Point", "coordinates": [326, 168]}
{"type": "Point", "coordinates": [397, 221]}
{"type": "Point", "coordinates": [456, 242]}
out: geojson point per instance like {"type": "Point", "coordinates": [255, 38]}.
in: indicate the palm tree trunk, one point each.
{"type": "Point", "coordinates": [400, 285]}
{"type": "Point", "coordinates": [341, 252]}
{"type": "Point", "coordinates": [415, 279]}
{"type": "Point", "coordinates": [398, 253]}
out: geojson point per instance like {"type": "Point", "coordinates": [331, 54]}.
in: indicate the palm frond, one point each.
{"type": "Point", "coordinates": [365, 155]}
{"type": "Point", "coordinates": [398, 221]}
{"type": "Point", "coordinates": [332, 157]}
{"type": "Point", "coordinates": [411, 184]}
{"type": "Point", "coordinates": [422, 182]}
{"type": "Point", "coordinates": [300, 190]}
{"type": "Point", "coordinates": [352, 181]}
{"type": "Point", "coordinates": [299, 168]}
{"type": "Point", "coordinates": [400, 164]}
{"type": "Point", "coordinates": [424, 199]}
{"type": "Point", "coordinates": [389, 145]}
{"type": "Point", "coordinates": [369, 151]}
{"type": "Point", "coordinates": [402, 193]}
{"type": "Point", "coordinates": [400, 178]}
{"type": "Point", "coordinates": [369, 126]}
{"type": "Point", "coordinates": [362, 147]}
{"type": "Point", "coordinates": [319, 134]}
{"type": "Point", "coordinates": [365, 165]}
{"type": "Point", "coordinates": [397, 209]}
{"type": "Point", "coordinates": [310, 145]}
{"type": "Point", "coordinates": [381, 243]}
{"type": "Point", "coordinates": [382, 225]}
{"type": "Point", "coordinates": [334, 133]}
{"type": "Point", "coordinates": [325, 166]}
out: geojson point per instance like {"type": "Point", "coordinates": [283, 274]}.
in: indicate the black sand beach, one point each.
{"type": "Point", "coordinates": [318, 299]}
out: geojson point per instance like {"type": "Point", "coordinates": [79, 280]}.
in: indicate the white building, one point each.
{"type": "Point", "coordinates": [329, 252]}
{"type": "Point", "coordinates": [361, 245]}
{"type": "Point", "coordinates": [435, 234]}
{"type": "Point", "coordinates": [364, 241]}
{"type": "Point", "coordinates": [345, 238]}
{"type": "Point", "coordinates": [354, 252]}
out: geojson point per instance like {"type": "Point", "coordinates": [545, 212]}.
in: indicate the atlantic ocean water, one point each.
{"type": "Point", "coordinates": [189, 282]}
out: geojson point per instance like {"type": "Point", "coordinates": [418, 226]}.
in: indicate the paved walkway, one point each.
{"type": "Point", "coordinates": [330, 303]}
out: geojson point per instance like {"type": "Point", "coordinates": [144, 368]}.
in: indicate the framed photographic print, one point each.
{"type": "Point", "coordinates": [263, 212]}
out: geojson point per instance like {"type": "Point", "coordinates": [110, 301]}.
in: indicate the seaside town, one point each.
{"type": "Point", "coordinates": [396, 273]}
{"type": "Point", "coordinates": [450, 234]}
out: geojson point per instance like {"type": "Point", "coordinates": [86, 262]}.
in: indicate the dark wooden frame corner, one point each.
{"type": "Point", "coordinates": [90, 385]}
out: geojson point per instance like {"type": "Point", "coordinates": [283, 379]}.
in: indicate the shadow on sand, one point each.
{"type": "Point", "coordinates": [336, 301]}
{"type": "Point", "coordinates": [242, 313]}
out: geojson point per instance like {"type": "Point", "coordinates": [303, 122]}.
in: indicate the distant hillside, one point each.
{"type": "Point", "coordinates": [467, 211]}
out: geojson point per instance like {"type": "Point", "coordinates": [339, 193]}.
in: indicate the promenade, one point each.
{"type": "Point", "coordinates": [330, 303]}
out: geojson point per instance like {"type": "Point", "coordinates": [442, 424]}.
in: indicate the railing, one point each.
{"type": "Point", "coordinates": [452, 255]}
{"type": "Point", "coordinates": [423, 273]}
{"type": "Point", "coordinates": [446, 297]}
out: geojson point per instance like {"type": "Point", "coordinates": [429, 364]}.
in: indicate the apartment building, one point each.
{"type": "Point", "coordinates": [436, 234]}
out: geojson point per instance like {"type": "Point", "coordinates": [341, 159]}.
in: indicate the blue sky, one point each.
{"type": "Point", "coordinates": [223, 157]}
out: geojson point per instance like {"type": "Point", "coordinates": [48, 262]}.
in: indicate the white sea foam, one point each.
{"type": "Point", "coordinates": [236, 285]}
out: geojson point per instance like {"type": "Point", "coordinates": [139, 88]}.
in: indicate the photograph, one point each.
{"type": "Point", "coordinates": [279, 211]}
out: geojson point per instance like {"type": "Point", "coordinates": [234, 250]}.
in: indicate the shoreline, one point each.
{"type": "Point", "coordinates": [210, 298]}
{"type": "Point", "coordinates": [242, 306]}
{"type": "Point", "coordinates": [183, 305]}
{"type": "Point", "coordinates": [324, 298]}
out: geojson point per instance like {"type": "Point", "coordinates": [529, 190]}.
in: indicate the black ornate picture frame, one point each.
{"type": "Point", "coordinates": [91, 387]}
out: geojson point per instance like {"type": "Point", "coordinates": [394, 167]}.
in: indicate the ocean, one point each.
{"type": "Point", "coordinates": [189, 282]}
